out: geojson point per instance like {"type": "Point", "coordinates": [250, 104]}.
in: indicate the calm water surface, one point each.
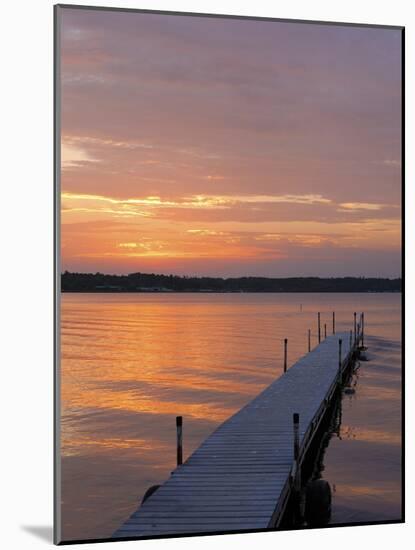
{"type": "Point", "coordinates": [132, 362]}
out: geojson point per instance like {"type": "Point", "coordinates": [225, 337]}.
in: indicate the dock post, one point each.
{"type": "Point", "coordinates": [319, 327]}
{"type": "Point", "coordinates": [309, 340]}
{"type": "Point", "coordinates": [363, 329]}
{"type": "Point", "coordinates": [285, 354]}
{"type": "Point", "coordinates": [325, 330]}
{"type": "Point", "coordinates": [297, 469]}
{"type": "Point", "coordinates": [297, 479]}
{"type": "Point", "coordinates": [296, 423]}
{"type": "Point", "coordinates": [179, 424]}
{"type": "Point", "coordinates": [354, 314]}
{"type": "Point", "coordinates": [334, 322]}
{"type": "Point", "coordinates": [340, 359]}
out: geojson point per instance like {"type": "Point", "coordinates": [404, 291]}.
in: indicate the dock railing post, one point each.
{"type": "Point", "coordinates": [285, 354]}
{"type": "Point", "coordinates": [334, 322]}
{"type": "Point", "coordinates": [340, 359]}
{"type": "Point", "coordinates": [309, 340]}
{"type": "Point", "coordinates": [179, 432]}
{"type": "Point", "coordinates": [354, 314]}
{"type": "Point", "coordinates": [319, 327]}
{"type": "Point", "coordinates": [297, 470]}
{"type": "Point", "coordinates": [297, 478]}
{"type": "Point", "coordinates": [325, 330]}
{"type": "Point", "coordinates": [296, 424]}
{"type": "Point", "coordinates": [363, 329]}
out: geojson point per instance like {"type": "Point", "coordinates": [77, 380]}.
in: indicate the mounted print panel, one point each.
{"type": "Point", "coordinates": [229, 306]}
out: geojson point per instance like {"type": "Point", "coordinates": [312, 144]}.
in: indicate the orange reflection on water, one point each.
{"type": "Point", "coordinates": [72, 445]}
{"type": "Point", "coordinates": [130, 401]}
{"type": "Point", "coordinates": [385, 492]}
{"type": "Point", "coordinates": [369, 435]}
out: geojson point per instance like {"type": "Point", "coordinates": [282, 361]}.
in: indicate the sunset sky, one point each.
{"type": "Point", "coordinates": [229, 147]}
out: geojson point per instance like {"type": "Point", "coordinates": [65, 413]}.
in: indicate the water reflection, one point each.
{"type": "Point", "coordinates": [131, 363]}
{"type": "Point", "coordinates": [363, 462]}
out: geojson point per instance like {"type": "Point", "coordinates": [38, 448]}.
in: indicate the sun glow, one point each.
{"type": "Point", "coordinates": [136, 231]}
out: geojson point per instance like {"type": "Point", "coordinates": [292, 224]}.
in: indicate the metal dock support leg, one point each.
{"type": "Point", "coordinates": [285, 354]}
{"type": "Point", "coordinates": [363, 330]}
{"type": "Point", "coordinates": [319, 327]}
{"type": "Point", "coordinates": [297, 469]}
{"type": "Point", "coordinates": [354, 314]}
{"type": "Point", "coordinates": [296, 425]}
{"type": "Point", "coordinates": [179, 433]}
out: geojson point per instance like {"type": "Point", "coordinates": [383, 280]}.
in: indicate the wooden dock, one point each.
{"type": "Point", "coordinates": [241, 476]}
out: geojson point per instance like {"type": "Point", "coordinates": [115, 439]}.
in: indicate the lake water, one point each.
{"type": "Point", "coordinates": [132, 362]}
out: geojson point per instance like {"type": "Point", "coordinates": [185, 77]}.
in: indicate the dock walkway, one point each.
{"type": "Point", "coordinates": [241, 475]}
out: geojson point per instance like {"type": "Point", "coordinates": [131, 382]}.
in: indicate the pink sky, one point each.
{"type": "Point", "coordinates": [229, 147]}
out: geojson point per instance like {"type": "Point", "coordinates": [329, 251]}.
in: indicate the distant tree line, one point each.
{"type": "Point", "coordinates": [150, 282]}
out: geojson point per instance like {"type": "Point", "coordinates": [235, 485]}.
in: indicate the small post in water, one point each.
{"type": "Point", "coordinates": [334, 322]}
{"type": "Point", "coordinates": [319, 327]}
{"type": "Point", "coordinates": [309, 340]}
{"type": "Point", "coordinates": [363, 330]}
{"type": "Point", "coordinates": [325, 330]}
{"type": "Point", "coordinates": [285, 354]}
{"type": "Point", "coordinates": [340, 358]}
{"type": "Point", "coordinates": [354, 314]}
{"type": "Point", "coordinates": [179, 425]}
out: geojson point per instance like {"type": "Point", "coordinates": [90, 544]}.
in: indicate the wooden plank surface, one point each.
{"type": "Point", "coordinates": [236, 478]}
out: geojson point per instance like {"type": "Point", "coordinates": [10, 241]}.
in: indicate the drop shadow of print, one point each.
{"type": "Point", "coordinates": [42, 532]}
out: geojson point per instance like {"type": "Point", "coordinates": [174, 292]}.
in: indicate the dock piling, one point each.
{"type": "Point", "coordinates": [179, 433]}
{"type": "Point", "coordinates": [319, 327]}
{"type": "Point", "coordinates": [297, 467]}
{"type": "Point", "coordinates": [325, 330]}
{"type": "Point", "coordinates": [354, 315]}
{"type": "Point", "coordinates": [334, 322]}
{"type": "Point", "coordinates": [363, 329]}
{"type": "Point", "coordinates": [309, 340]}
{"type": "Point", "coordinates": [296, 425]}
{"type": "Point", "coordinates": [285, 354]}
{"type": "Point", "coordinates": [340, 357]}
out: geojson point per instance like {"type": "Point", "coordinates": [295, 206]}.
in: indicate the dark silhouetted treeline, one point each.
{"type": "Point", "coordinates": [150, 282]}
